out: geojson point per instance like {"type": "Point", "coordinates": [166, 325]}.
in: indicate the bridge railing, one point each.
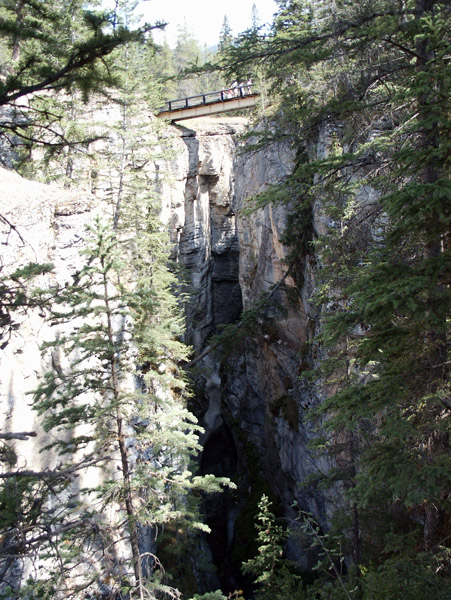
{"type": "Point", "coordinates": [239, 91]}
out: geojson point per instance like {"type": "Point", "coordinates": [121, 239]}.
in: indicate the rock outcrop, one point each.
{"type": "Point", "coordinates": [252, 403]}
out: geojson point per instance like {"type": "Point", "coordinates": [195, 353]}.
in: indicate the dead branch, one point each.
{"type": "Point", "coordinates": [23, 435]}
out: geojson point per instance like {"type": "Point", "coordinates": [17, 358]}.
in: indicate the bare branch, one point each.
{"type": "Point", "coordinates": [24, 435]}
{"type": "Point", "coordinates": [55, 473]}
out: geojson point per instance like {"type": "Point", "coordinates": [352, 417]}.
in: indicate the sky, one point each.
{"type": "Point", "coordinates": [205, 17]}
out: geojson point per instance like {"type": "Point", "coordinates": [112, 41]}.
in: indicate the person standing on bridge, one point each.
{"type": "Point", "coordinates": [249, 85]}
{"type": "Point", "coordinates": [235, 88]}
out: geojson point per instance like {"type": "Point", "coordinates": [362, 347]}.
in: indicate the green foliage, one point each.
{"type": "Point", "coordinates": [17, 296]}
{"type": "Point", "coordinates": [57, 46]}
{"type": "Point", "coordinates": [225, 36]}
{"type": "Point", "coordinates": [362, 93]}
{"type": "Point", "coordinates": [60, 47]}
{"type": "Point", "coordinates": [408, 577]}
{"type": "Point", "coordinates": [95, 409]}
{"type": "Point", "coordinates": [114, 402]}
{"type": "Point", "coordinates": [218, 595]}
{"type": "Point", "coordinates": [274, 579]}
{"type": "Point", "coordinates": [330, 565]}
{"type": "Point", "coordinates": [252, 491]}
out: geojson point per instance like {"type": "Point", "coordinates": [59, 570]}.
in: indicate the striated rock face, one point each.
{"type": "Point", "coordinates": [252, 405]}
{"type": "Point", "coordinates": [265, 393]}
{"type": "Point", "coordinates": [41, 224]}
{"type": "Point", "coordinates": [203, 222]}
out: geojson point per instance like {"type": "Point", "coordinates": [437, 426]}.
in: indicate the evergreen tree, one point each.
{"type": "Point", "coordinates": [374, 79]}
{"type": "Point", "coordinates": [55, 47]}
{"type": "Point", "coordinates": [114, 402]}
{"type": "Point", "coordinates": [187, 54]}
{"type": "Point", "coordinates": [271, 571]}
{"type": "Point", "coordinates": [254, 18]}
{"type": "Point", "coordinates": [210, 81]}
{"type": "Point", "coordinates": [225, 35]}
{"type": "Point", "coordinates": [16, 295]}
{"type": "Point", "coordinates": [163, 70]}
{"type": "Point", "coordinates": [101, 411]}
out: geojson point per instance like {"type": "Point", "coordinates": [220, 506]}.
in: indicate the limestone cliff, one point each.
{"type": "Point", "coordinates": [41, 224]}
{"type": "Point", "coordinates": [252, 406]}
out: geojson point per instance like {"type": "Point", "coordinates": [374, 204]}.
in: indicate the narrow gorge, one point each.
{"type": "Point", "coordinates": [225, 302]}
{"type": "Point", "coordinates": [250, 400]}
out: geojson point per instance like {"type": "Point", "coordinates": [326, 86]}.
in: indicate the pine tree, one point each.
{"type": "Point", "coordinates": [187, 54]}
{"type": "Point", "coordinates": [163, 70]}
{"type": "Point", "coordinates": [254, 18]}
{"type": "Point", "coordinates": [53, 47]}
{"type": "Point", "coordinates": [374, 79]}
{"type": "Point", "coordinates": [114, 401]}
{"type": "Point", "coordinates": [225, 35]}
{"type": "Point", "coordinates": [101, 411]}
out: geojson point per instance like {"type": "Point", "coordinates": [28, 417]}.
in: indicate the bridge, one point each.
{"type": "Point", "coordinates": [234, 98]}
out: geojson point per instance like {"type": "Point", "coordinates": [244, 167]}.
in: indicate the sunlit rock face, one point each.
{"type": "Point", "coordinates": [202, 221]}
{"type": "Point", "coordinates": [42, 224]}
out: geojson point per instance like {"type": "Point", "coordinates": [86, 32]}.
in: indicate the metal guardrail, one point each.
{"type": "Point", "coordinates": [239, 91]}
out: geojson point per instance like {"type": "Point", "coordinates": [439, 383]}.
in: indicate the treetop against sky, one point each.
{"type": "Point", "coordinates": [204, 18]}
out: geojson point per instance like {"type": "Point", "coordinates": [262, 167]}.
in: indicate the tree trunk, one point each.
{"type": "Point", "coordinates": [16, 41]}
{"type": "Point", "coordinates": [435, 335]}
{"type": "Point", "coordinates": [120, 438]}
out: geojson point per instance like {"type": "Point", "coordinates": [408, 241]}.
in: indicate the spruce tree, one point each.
{"type": "Point", "coordinates": [114, 401]}
{"type": "Point", "coordinates": [187, 54]}
{"type": "Point", "coordinates": [271, 571]}
{"type": "Point", "coordinates": [225, 35]}
{"type": "Point", "coordinates": [104, 411]}
{"type": "Point", "coordinates": [373, 79]}
{"type": "Point", "coordinates": [254, 18]}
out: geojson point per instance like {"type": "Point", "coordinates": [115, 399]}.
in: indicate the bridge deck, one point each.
{"type": "Point", "coordinates": [237, 98]}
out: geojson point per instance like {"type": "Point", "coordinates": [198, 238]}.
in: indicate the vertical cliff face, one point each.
{"type": "Point", "coordinates": [271, 399]}
{"type": "Point", "coordinates": [202, 219]}
{"type": "Point", "coordinates": [42, 224]}
{"type": "Point", "coordinates": [251, 404]}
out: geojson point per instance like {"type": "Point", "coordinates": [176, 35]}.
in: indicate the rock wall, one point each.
{"type": "Point", "coordinates": [253, 404]}
{"type": "Point", "coordinates": [41, 224]}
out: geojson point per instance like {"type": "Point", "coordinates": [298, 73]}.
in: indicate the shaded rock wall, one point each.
{"type": "Point", "coordinates": [252, 405]}
{"type": "Point", "coordinates": [265, 393]}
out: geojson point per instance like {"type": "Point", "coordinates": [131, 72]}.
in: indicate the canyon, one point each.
{"type": "Point", "coordinates": [251, 400]}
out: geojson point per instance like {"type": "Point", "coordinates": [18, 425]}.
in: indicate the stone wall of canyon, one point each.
{"type": "Point", "coordinates": [251, 403]}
